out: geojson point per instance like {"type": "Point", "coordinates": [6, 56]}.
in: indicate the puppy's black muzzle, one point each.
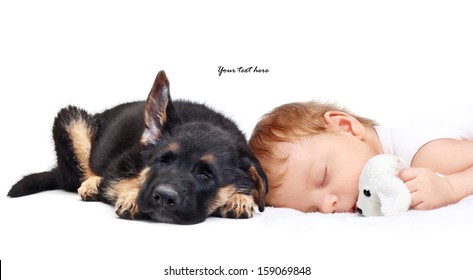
{"type": "Point", "coordinates": [171, 201]}
{"type": "Point", "coordinates": [165, 196]}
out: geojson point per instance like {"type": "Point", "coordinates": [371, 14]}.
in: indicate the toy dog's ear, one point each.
{"type": "Point", "coordinates": [157, 111]}
{"type": "Point", "coordinates": [395, 198]}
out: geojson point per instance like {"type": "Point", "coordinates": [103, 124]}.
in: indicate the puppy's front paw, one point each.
{"type": "Point", "coordinates": [238, 206]}
{"type": "Point", "coordinates": [88, 190]}
{"type": "Point", "coordinates": [126, 206]}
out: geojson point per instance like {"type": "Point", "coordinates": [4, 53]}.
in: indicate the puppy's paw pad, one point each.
{"type": "Point", "coordinates": [88, 190]}
{"type": "Point", "coordinates": [239, 206]}
{"type": "Point", "coordinates": [126, 206]}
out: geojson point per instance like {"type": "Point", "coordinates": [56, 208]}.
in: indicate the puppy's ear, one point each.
{"type": "Point", "coordinates": [158, 109]}
{"type": "Point", "coordinates": [260, 188]}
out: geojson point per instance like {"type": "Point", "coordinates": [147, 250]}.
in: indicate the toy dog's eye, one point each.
{"type": "Point", "coordinates": [367, 193]}
{"type": "Point", "coordinates": [359, 211]}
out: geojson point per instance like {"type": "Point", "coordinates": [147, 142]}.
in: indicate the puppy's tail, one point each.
{"type": "Point", "coordinates": [36, 182]}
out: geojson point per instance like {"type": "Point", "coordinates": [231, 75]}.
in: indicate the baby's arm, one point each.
{"type": "Point", "coordinates": [430, 190]}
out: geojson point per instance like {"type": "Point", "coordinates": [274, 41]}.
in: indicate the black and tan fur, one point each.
{"type": "Point", "coordinates": [168, 161]}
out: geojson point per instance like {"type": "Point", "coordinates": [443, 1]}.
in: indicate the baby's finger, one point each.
{"type": "Point", "coordinates": [408, 174]}
{"type": "Point", "coordinates": [416, 203]}
{"type": "Point", "coordinates": [411, 185]}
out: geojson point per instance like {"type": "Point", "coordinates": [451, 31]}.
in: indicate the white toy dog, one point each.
{"type": "Point", "coordinates": [381, 192]}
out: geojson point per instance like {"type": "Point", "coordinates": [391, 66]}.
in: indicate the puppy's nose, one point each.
{"type": "Point", "coordinates": [166, 195]}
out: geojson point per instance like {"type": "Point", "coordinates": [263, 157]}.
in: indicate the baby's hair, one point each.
{"type": "Point", "coordinates": [288, 123]}
{"type": "Point", "coordinates": [291, 121]}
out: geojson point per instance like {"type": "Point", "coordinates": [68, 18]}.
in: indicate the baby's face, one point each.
{"type": "Point", "coordinates": [322, 173]}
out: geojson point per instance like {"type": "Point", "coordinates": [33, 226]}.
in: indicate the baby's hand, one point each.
{"type": "Point", "coordinates": [428, 189]}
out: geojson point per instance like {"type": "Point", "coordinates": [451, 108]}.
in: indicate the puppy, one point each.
{"type": "Point", "coordinates": [173, 162]}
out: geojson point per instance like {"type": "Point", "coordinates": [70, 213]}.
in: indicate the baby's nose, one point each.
{"type": "Point", "coordinates": [330, 203]}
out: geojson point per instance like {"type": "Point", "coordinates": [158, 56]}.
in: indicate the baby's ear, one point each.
{"type": "Point", "coordinates": [341, 121]}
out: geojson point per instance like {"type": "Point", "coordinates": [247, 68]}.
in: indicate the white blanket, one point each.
{"type": "Point", "coordinates": [54, 235]}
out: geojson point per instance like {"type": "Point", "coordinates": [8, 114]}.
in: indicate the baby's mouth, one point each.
{"type": "Point", "coordinates": [354, 209]}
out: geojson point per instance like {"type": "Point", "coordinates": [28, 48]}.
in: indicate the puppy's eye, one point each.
{"type": "Point", "coordinates": [367, 193]}
{"type": "Point", "coordinates": [166, 158]}
{"type": "Point", "coordinates": [203, 173]}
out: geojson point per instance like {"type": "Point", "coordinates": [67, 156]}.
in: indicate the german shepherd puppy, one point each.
{"type": "Point", "coordinates": [174, 162]}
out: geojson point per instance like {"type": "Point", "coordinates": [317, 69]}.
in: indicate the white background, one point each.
{"type": "Point", "coordinates": [391, 61]}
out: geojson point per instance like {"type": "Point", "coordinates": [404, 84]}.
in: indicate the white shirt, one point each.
{"type": "Point", "coordinates": [406, 141]}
